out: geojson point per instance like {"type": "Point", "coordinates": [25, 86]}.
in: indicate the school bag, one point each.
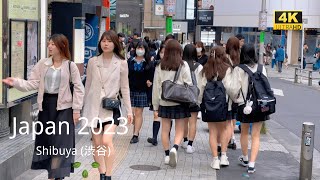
{"type": "Point", "coordinates": [260, 97]}
{"type": "Point", "coordinates": [214, 106]}
{"type": "Point", "coordinates": [194, 80]}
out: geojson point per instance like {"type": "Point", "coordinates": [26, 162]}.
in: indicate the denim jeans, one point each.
{"type": "Point", "coordinates": [273, 63]}
{"type": "Point", "coordinates": [280, 66]}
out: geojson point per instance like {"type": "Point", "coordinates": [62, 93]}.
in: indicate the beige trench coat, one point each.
{"type": "Point", "coordinates": [117, 80]}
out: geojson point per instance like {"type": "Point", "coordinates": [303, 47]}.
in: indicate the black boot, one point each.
{"type": "Point", "coordinates": [108, 177]}
{"type": "Point", "coordinates": [102, 177]}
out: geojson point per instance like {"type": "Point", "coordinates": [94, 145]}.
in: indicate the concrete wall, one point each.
{"type": "Point", "coordinates": [245, 13]}
{"type": "Point", "coordinates": [151, 20]}
{"type": "Point", "coordinates": [154, 26]}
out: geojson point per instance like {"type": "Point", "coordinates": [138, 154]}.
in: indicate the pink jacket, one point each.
{"type": "Point", "coordinates": [65, 99]}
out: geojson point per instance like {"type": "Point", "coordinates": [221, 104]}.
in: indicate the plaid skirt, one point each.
{"type": "Point", "coordinates": [174, 112]}
{"type": "Point", "coordinates": [194, 108]}
{"type": "Point", "coordinates": [139, 99]}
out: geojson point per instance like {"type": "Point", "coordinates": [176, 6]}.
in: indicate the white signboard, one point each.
{"type": "Point", "coordinates": [159, 10]}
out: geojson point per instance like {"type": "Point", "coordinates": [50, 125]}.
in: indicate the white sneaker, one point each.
{"type": "Point", "coordinates": [166, 160]}
{"type": "Point", "coordinates": [185, 144]}
{"type": "Point", "coordinates": [215, 164]}
{"type": "Point", "coordinates": [199, 115]}
{"type": "Point", "coordinates": [190, 149]}
{"type": "Point", "coordinates": [224, 160]}
{"type": "Point", "coordinates": [173, 157]}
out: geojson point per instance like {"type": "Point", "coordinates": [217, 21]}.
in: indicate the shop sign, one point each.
{"type": "Point", "coordinates": [205, 17]}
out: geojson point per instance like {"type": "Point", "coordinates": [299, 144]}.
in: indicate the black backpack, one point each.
{"type": "Point", "coordinates": [214, 106]}
{"type": "Point", "coordinates": [260, 93]}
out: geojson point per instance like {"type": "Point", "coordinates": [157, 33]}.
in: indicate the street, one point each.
{"type": "Point", "coordinates": [299, 104]}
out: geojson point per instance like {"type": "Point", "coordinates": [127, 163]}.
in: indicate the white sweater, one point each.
{"type": "Point", "coordinates": [243, 81]}
{"type": "Point", "coordinates": [163, 75]}
{"type": "Point", "coordinates": [232, 89]}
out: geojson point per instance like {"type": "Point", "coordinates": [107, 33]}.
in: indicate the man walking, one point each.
{"type": "Point", "coordinates": [280, 58]}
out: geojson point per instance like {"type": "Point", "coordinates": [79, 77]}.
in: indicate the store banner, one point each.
{"type": "Point", "coordinates": [205, 18]}
{"type": "Point", "coordinates": [159, 7]}
{"type": "Point", "coordinates": [170, 7]}
{"type": "Point", "coordinates": [91, 37]}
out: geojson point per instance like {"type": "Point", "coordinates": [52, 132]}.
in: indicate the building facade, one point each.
{"type": "Point", "coordinates": [129, 16]}
{"type": "Point", "coordinates": [238, 17]}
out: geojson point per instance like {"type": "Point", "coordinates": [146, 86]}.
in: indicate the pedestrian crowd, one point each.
{"type": "Point", "coordinates": [180, 84]}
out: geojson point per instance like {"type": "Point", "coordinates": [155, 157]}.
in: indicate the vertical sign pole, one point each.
{"type": "Point", "coordinates": [169, 28]}
{"type": "Point", "coordinates": [106, 3]}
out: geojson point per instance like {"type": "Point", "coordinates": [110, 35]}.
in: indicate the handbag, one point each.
{"type": "Point", "coordinates": [70, 79]}
{"type": "Point", "coordinates": [180, 93]}
{"type": "Point", "coordinates": [110, 103]}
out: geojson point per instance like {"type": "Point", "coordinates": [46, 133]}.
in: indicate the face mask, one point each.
{"type": "Point", "coordinates": [139, 52]}
{"type": "Point", "coordinates": [161, 55]}
{"type": "Point", "coordinates": [199, 50]}
{"type": "Point", "coordinates": [122, 39]}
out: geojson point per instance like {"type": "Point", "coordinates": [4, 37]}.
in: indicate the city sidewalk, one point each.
{"type": "Point", "coordinates": [144, 161]}
{"type": "Point", "coordinates": [287, 74]}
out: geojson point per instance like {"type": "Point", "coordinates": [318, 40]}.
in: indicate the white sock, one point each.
{"type": "Point", "coordinates": [251, 164]}
{"type": "Point", "coordinates": [245, 158]}
{"type": "Point", "coordinates": [233, 138]}
{"type": "Point", "coordinates": [223, 153]}
{"type": "Point", "coordinates": [216, 158]}
{"type": "Point", "coordinates": [219, 144]}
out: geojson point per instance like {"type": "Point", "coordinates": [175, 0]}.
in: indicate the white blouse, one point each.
{"type": "Point", "coordinates": [52, 80]}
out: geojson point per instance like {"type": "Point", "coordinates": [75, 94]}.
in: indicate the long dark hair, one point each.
{"type": "Point", "coordinates": [62, 43]}
{"type": "Point", "coordinates": [161, 47]}
{"type": "Point", "coordinates": [217, 64]}
{"type": "Point", "coordinates": [112, 36]}
{"type": "Point", "coordinates": [172, 56]}
{"type": "Point", "coordinates": [190, 55]}
{"type": "Point", "coordinates": [233, 49]}
{"type": "Point", "coordinates": [248, 54]}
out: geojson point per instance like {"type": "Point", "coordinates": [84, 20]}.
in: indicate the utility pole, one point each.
{"type": "Point", "coordinates": [262, 28]}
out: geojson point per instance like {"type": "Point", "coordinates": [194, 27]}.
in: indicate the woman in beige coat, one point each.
{"type": "Point", "coordinates": [57, 104]}
{"type": "Point", "coordinates": [107, 75]}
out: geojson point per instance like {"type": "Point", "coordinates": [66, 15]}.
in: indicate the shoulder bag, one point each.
{"type": "Point", "coordinates": [180, 93]}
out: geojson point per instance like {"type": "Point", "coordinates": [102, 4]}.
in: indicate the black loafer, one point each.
{"type": "Point", "coordinates": [152, 141]}
{"type": "Point", "coordinates": [134, 140]}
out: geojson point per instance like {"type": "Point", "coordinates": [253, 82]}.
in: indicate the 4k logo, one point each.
{"type": "Point", "coordinates": [287, 20]}
{"type": "Point", "coordinates": [288, 17]}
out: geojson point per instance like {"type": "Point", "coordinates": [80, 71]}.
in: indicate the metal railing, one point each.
{"type": "Point", "coordinates": [305, 73]}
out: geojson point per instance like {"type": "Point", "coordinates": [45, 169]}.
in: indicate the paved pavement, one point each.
{"type": "Point", "coordinates": [190, 166]}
